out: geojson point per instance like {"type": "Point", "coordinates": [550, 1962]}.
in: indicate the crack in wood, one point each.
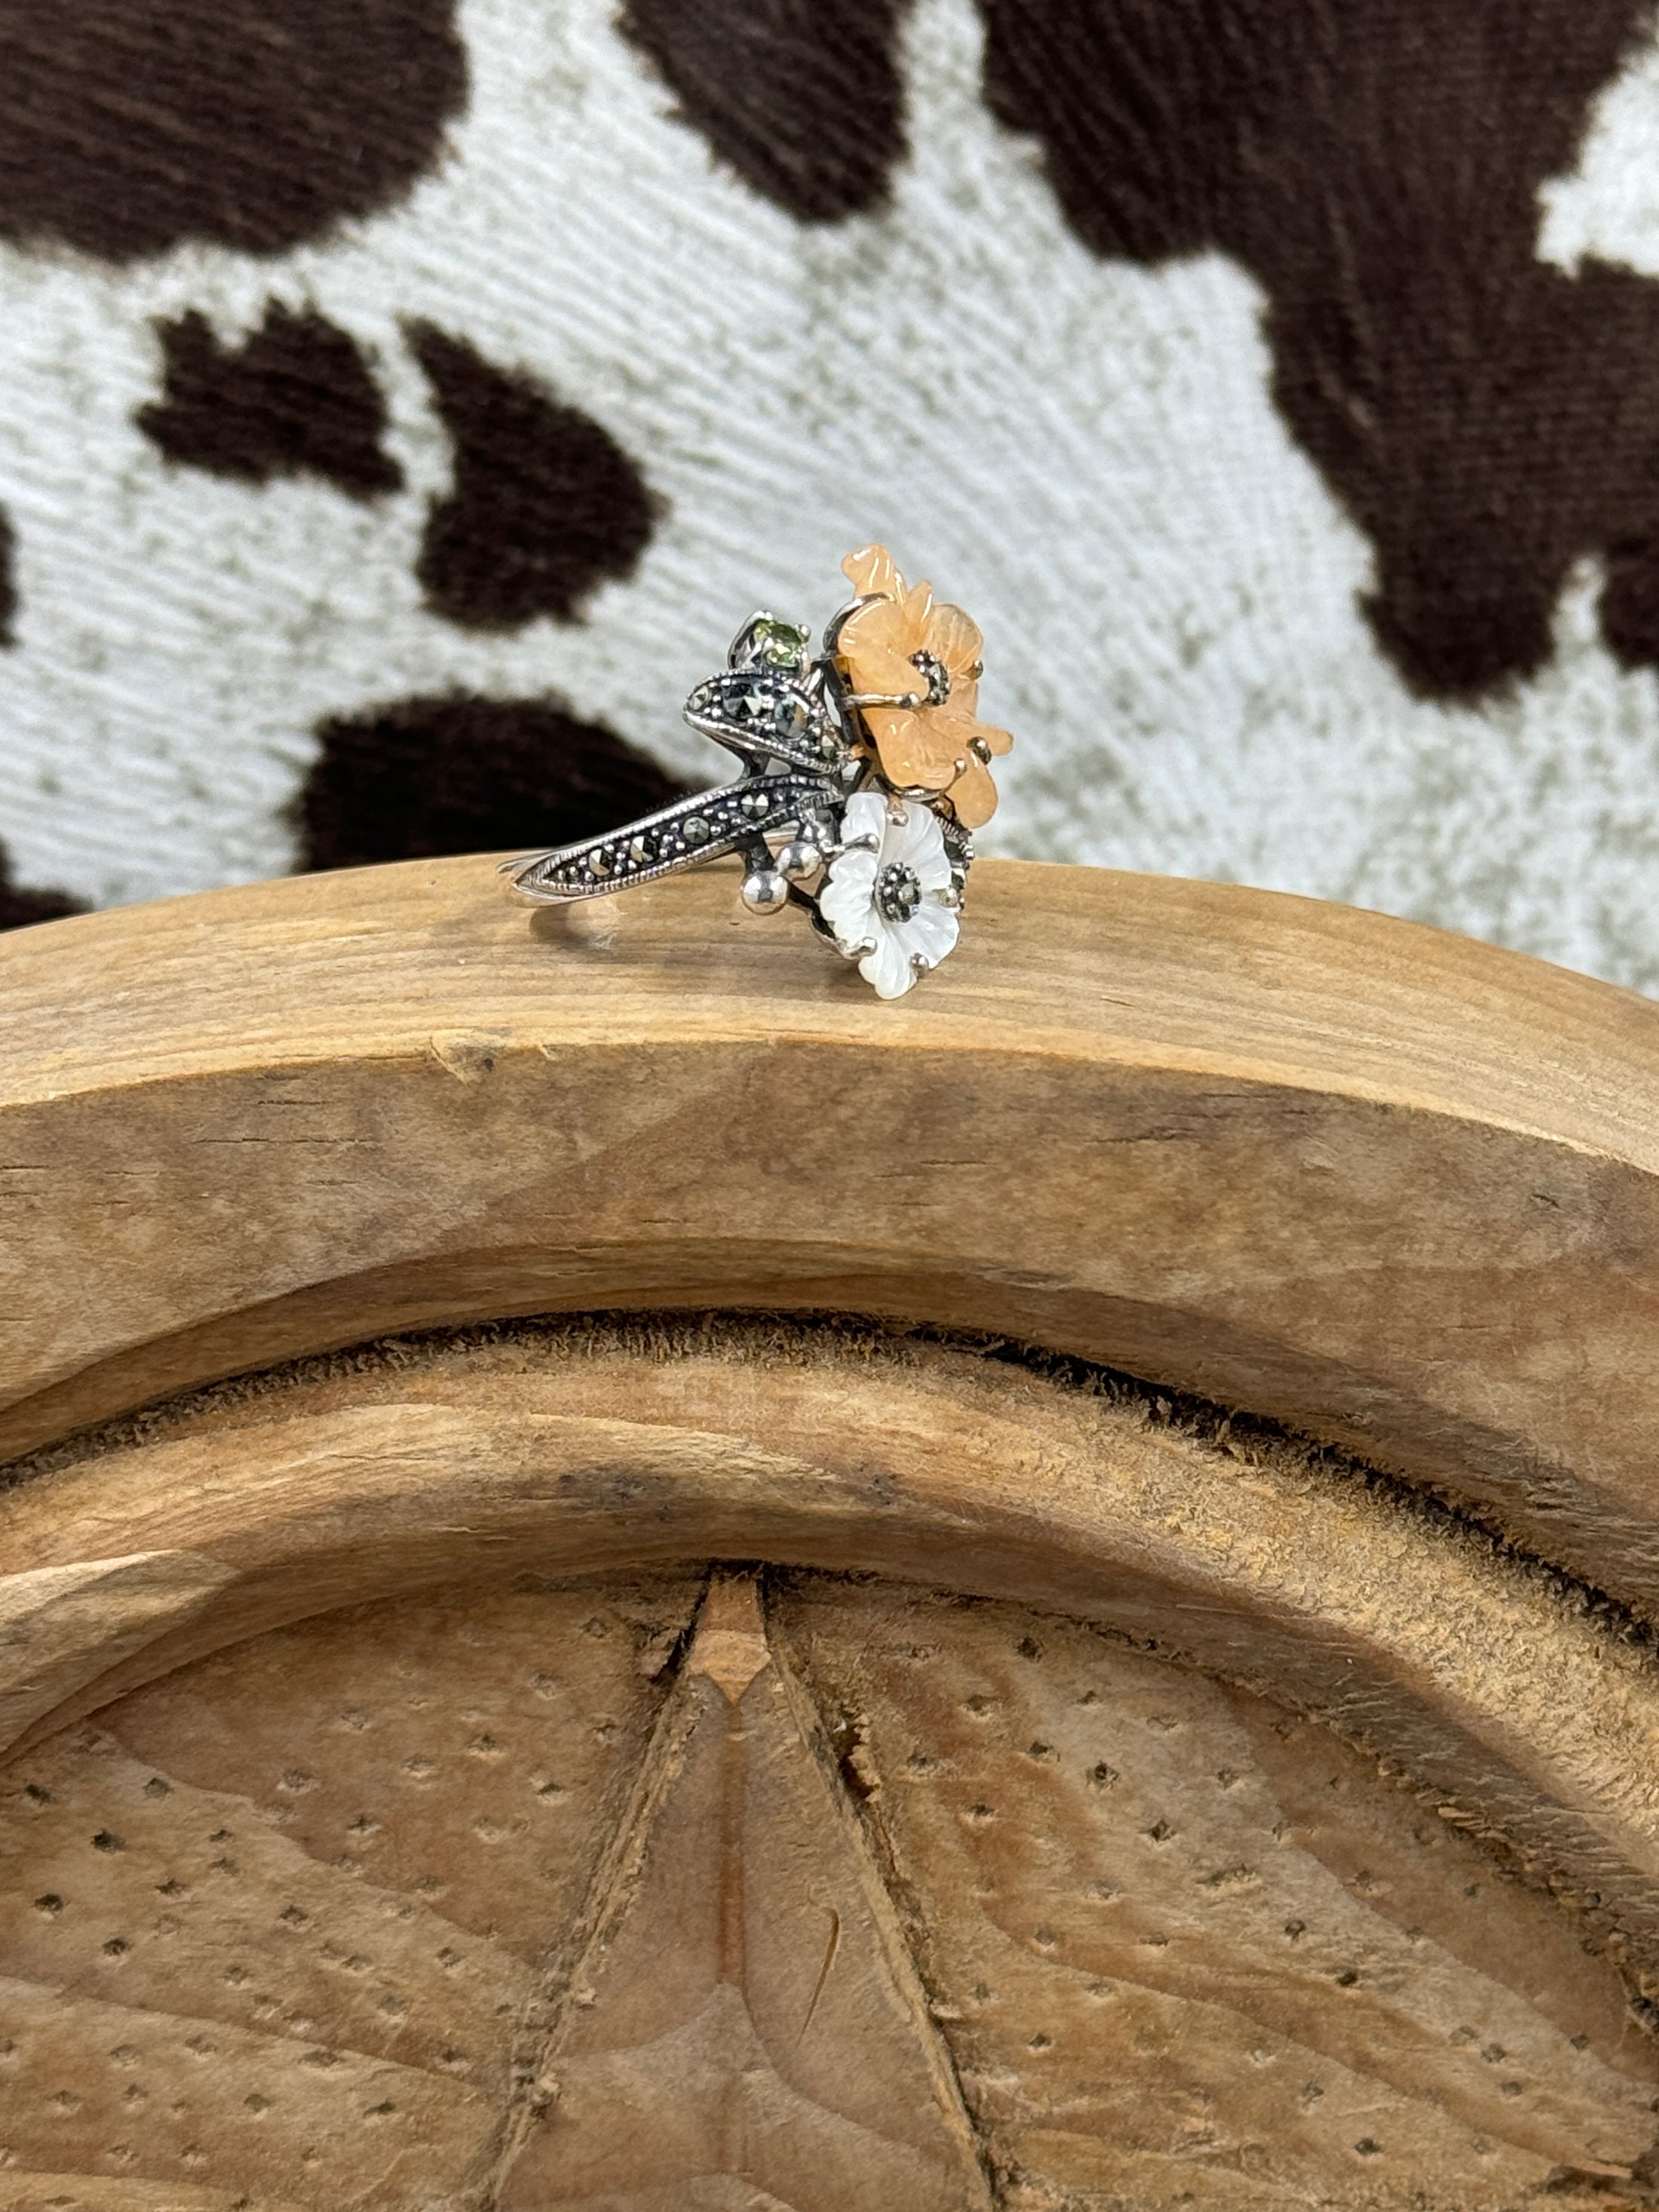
{"type": "Point", "coordinates": [811, 2075]}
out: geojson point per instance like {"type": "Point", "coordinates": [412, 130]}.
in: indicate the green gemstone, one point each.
{"type": "Point", "coordinates": [777, 644]}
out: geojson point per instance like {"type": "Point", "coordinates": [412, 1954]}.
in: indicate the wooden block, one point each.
{"type": "Point", "coordinates": [1392, 1187]}
{"type": "Point", "coordinates": [62, 1626]}
{"type": "Point", "coordinates": [783, 1764]}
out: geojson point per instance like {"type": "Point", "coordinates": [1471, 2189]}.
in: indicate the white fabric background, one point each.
{"type": "Point", "coordinates": [1085, 454]}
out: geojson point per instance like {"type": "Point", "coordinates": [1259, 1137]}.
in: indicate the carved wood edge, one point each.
{"type": "Point", "coordinates": [1394, 1188]}
{"type": "Point", "coordinates": [1527, 1711]}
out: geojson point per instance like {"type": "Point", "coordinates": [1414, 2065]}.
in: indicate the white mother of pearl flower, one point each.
{"type": "Point", "coordinates": [884, 898]}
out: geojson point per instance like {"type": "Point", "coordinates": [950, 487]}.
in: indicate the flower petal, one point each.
{"type": "Point", "coordinates": [918, 604]}
{"type": "Point", "coordinates": [919, 842]}
{"type": "Point", "coordinates": [848, 900]}
{"type": "Point", "coordinates": [849, 910]}
{"type": "Point", "coordinates": [972, 792]}
{"type": "Point", "coordinates": [934, 868]}
{"type": "Point", "coordinates": [932, 931]}
{"type": "Point", "coordinates": [882, 626]}
{"type": "Point", "coordinates": [945, 745]}
{"type": "Point", "coordinates": [966, 727]}
{"type": "Point", "coordinates": [864, 815]}
{"type": "Point", "coordinates": [872, 568]}
{"type": "Point", "coordinates": [909, 755]}
{"type": "Point", "coordinates": [855, 871]}
{"type": "Point", "coordinates": [955, 637]}
{"type": "Point", "coordinates": [887, 673]}
{"type": "Point", "coordinates": [875, 646]}
{"type": "Point", "coordinates": [974, 795]}
{"type": "Point", "coordinates": [852, 920]}
{"type": "Point", "coordinates": [887, 968]}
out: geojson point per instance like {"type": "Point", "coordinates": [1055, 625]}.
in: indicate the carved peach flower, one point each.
{"type": "Point", "coordinates": [907, 648]}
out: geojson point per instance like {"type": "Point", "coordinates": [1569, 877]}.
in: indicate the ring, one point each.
{"type": "Point", "coordinates": [867, 771]}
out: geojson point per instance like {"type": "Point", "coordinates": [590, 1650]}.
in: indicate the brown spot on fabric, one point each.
{"type": "Point", "coordinates": [1486, 417]}
{"type": "Point", "coordinates": [8, 595]}
{"type": "Point", "coordinates": [546, 505]}
{"type": "Point", "coordinates": [127, 126]}
{"type": "Point", "coordinates": [460, 774]}
{"type": "Point", "coordinates": [802, 98]}
{"type": "Point", "coordinates": [19, 907]}
{"type": "Point", "coordinates": [294, 399]}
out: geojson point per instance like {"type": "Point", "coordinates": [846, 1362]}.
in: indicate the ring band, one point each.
{"type": "Point", "coordinates": [866, 762]}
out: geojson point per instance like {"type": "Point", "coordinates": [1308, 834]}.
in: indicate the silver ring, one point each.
{"type": "Point", "coordinates": [866, 770]}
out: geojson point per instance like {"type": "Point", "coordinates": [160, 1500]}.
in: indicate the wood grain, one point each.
{"type": "Point", "coordinates": [561, 1452]}
{"type": "Point", "coordinates": [1392, 1187]}
{"type": "Point", "coordinates": [279, 1924]}
{"type": "Point", "coordinates": [62, 1626]}
{"type": "Point", "coordinates": [1187, 1949]}
{"type": "Point", "coordinates": [745, 2013]}
{"type": "Point", "coordinates": [88, 2192]}
{"type": "Point", "coordinates": [861, 1893]}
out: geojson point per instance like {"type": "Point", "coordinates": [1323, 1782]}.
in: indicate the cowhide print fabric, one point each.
{"type": "Point", "coordinates": [401, 402]}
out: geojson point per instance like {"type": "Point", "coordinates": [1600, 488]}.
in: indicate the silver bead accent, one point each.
{"type": "Point", "coordinates": [800, 859]}
{"type": "Point", "coordinates": [765, 892]}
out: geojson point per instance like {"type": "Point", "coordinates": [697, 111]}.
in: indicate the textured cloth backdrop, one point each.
{"type": "Point", "coordinates": [400, 404]}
